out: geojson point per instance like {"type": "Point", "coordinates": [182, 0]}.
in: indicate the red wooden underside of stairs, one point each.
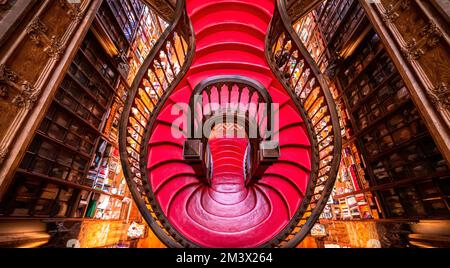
{"type": "Point", "coordinates": [230, 37]}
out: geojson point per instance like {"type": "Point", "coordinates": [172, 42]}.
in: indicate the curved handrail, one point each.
{"type": "Point", "coordinates": [299, 74]}
{"type": "Point", "coordinates": [230, 81]}
{"type": "Point", "coordinates": [163, 69]}
{"type": "Point", "coordinates": [259, 137]}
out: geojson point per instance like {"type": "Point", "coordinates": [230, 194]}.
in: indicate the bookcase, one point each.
{"type": "Point", "coordinates": [390, 163]}
{"type": "Point", "coordinates": [126, 14]}
{"type": "Point", "coordinates": [331, 15]}
{"type": "Point", "coordinates": [72, 167]}
{"type": "Point", "coordinates": [401, 157]}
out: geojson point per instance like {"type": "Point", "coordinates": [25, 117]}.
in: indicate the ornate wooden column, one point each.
{"type": "Point", "coordinates": [416, 35]}
{"type": "Point", "coordinates": [37, 46]}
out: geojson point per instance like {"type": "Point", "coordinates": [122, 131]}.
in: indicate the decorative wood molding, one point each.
{"type": "Point", "coordinates": [32, 64]}
{"type": "Point", "coordinates": [391, 12]}
{"type": "Point", "coordinates": [27, 94]}
{"type": "Point", "coordinates": [440, 96]}
{"type": "Point", "coordinates": [75, 12]}
{"type": "Point", "coordinates": [417, 39]}
{"type": "Point", "coordinates": [7, 78]}
{"type": "Point", "coordinates": [35, 30]}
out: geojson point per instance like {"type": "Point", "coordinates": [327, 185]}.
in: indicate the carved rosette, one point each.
{"type": "Point", "coordinates": [431, 34]}
{"type": "Point", "coordinates": [7, 78]}
{"type": "Point", "coordinates": [27, 97]}
{"type": "Point", "coordinates": [27, 93]}
{"type": "Point", "coordinates": [73, 9]}
{"type": "Point", "coordinates": [76, 14]}
{"type": "Point", "coordinates": [35, 30]}
{"type": "Point", "coordinates": [3, 154]}
{"type": "Point", "coordinates": [55, 49]}
{"type": "Point", "coordinates": [391, 14]}
{"type": "Point", "coordinates": [412, 51]}
{"type": "Point", "coordinates": [440, 96]}
{"type": "Point", "coordinates": [3, 91]}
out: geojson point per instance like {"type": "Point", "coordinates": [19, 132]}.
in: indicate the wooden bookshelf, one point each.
{"type": "Point", "coordinates": [72, 168]}
{"type": "Point", "coordinates": [390, 163]}
{"type": "Point", "coordinates": [393, 138]}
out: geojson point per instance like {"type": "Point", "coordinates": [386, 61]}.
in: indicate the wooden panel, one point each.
{"type": "Point", "coordinates": [7, 111]}
{"type": "Point", "coordinates": [28, 61]}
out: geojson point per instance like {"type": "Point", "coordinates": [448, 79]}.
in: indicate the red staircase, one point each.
{"type": "Point", "coordinates": [225, 208]}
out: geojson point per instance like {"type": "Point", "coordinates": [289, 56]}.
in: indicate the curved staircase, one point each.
{"type": "Point", "coordinates": [229, 194]}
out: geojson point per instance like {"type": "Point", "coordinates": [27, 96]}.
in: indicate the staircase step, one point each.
{"type": "Point", "coordinates": [232, 32]}
{"type": "Point", "coordinates": [165, 189]}
{"type": "Point", "coordinates": [230, 51]}
{"type": "Point", "coordinates": [224, 65]}
{"type": "Point", "coordinates": [295, 174]}
{"type": "Point", "coordinates": [226, 11]}
{"type": "Point", "coordinates": [300, 156]}
{"type": "Point", "coordinates": [268, 5]}
{"type": "Point", "coordinates": [164, 153]}
{"type": "Point", "coordinates": [287, 191]}
{"type": "Point", "coordinates": [161, 173]}
{"type": "Point", "coordinates": [181, 96]}
{"type": "Point", "coordinates": [259, 75]}
{"type": "Point", "coordinates": [292, 135]}
{"type": "Point", "coordinates": [227, 198]}
{"type": "Point", "coordinates": [229, 211]}
{"type": "Point", "coordinates": [163, 132]}
{"type": "Point", "coordinates": [246, 218]}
